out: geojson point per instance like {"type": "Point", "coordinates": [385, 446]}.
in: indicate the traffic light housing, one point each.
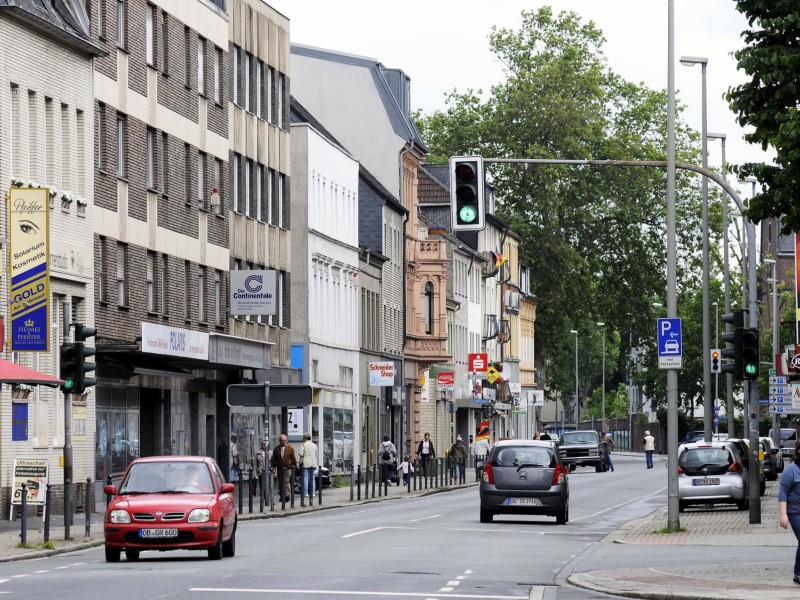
{"type": "Point", "coordinates": [716, 365]}
{"type": "Point", "coordinates": [467, 181]}
{"type": "Point", "coordinates": [71, 363]}
{"type": "Point", "coordinates": [82, 333]}
{"type": "Point", "coordinates": [733, 340]}
{"type": "Point", "coordinates": [750, 353]}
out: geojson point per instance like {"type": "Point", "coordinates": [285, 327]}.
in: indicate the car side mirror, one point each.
{"type": "Point", "coordinates": [226, 488]}
{"type": "Point", "coordinates": [110, 490]}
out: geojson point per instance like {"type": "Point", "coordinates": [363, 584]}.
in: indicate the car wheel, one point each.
{"type": "Point", "coordinates": [762, 489]}
{"type": "Point", "coordinates": [563, 517]}
{"type": "Point", "coordinates": [742, 504]}
{"type": "Point", "coordinates": [215, 552]}
{"type": "Point", "coordinates": [112, 554]}
{"type": "Point", "coordinates": [598, 468]}
{"type": "Point", "coordinates": [131, 554]}
{"type": "Point", "coordinates": [229, 547]}
{"type": "Point", "coordinates": [681, 506]}
{"type": "Point", "coordinates": [486, 516]}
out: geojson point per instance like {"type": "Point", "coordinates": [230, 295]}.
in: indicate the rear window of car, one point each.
{"type": "Point", "coordinates": [694, 458]}
{"type": "Point", "coordinates": [517, 456]}
{"type": "Point", "coordinates": [788, 434]}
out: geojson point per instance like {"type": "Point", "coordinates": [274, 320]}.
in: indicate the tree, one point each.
{"type": "Point", "coordinates": [770, 103]}
{"type": "Point", "coordinates": [594, 238]}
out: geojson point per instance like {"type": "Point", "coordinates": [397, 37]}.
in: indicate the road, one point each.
{"type": "Point", "coordinates": [413, 547]}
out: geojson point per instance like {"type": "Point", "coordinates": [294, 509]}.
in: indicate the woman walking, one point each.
{"type": "Point", "coordinates": [789, 503]}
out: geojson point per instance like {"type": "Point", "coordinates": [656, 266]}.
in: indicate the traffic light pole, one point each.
{"type": "Point", "coordinates": [672, 375]}
{"type": "Point", "coordinates": [67, 439]}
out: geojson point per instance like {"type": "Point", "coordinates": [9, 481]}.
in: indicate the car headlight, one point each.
{"type": "Point", "coordinates": [199, 515]}
{"type": "Point", "coordinates": [119, 516]}
{"type": "Point", "coordinates": [593, 452]}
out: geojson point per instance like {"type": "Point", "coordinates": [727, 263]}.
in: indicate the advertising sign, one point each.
{"type": "Point", "coordinates": [253, 292]}
{"type": "Point", "coordinates": [381, 373]}
{"type": "Point", "coordinates": [33, 473]}
{"type": "Point", "coordinates": [478, 362]}
{"type": "Point", "coordinates": [174, 341]}
{"type": "Point", "coordinates": [446, 381]}
{"type": "Point", "coordinates": [29, 304]}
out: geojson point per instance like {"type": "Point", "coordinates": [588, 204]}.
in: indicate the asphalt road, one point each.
{"type": "Point", "coordinates": [413, 547]}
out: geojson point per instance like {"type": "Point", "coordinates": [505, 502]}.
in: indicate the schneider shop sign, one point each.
{"type": "Point", "coordinates": [252, 292]}
{"type": "Point", "coordinates": [173, 341]}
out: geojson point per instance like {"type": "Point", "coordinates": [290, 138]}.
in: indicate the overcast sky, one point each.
{"type": "Point", "coordinates": [424, 39]}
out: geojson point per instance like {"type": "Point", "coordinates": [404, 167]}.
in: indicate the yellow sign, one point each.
{"type": "Point", "coordinates": [492, 374]}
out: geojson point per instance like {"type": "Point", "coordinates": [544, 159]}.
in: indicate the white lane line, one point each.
{"type": "Point", "coordinates": [349, 593]}
{"type": "Point", "coordinates": [4, 580]}
{"type": "Point", "coordinates": [21, 575]}
{"type": "Point", "coordinates": [360, 532]}
{"type": "Point", "coordinates": [424, 518]}
{"type": "Point", "coordinates": [43, 571]}
{"type": "Point", "coordinates": [445, 589]}
{"type": "Point", "coordinates": [57, 568]}
{"type": "Point", "coordinates": [453, 583]}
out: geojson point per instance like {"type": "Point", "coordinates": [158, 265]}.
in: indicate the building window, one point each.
{"type": "Point", "coordinates": [121, 23]}
{"type": "Point", "coordinates": [121, 127]}
{"type": "Point", "coordinates": [428, 307]}
{"type": "Point", "coordinates": [268, 190]}
{"type": "Point", "coordinates": [150, 51]}
{"type": "Point", "coordinates": [279, 107]}
{"type": "Point", "coordinates": [121, 268]}
{"type": "Point", "coordinates": [101, 18]}
{"type": "Point", "coordinates": [164, 284]}
{"type": "Point", "coordinates": [235, 74]}
{"type": "Point", "coordinates": [151, 282]}
{"type": "Point", "coordinates": [164, 58]}
{"type": "Point", "coordinates": [187, 57]}
{"type": "Point", "coordinates": [217, 78]}
{"type": "Point", "coordinates": [268, 93]}
{"type": "Point", "coordinates": [259, 90]}
{"type": "Point", "coordinates": [259, 191]}
{"type": "Point", "coordinates": [235, 182]}
{"type": "Point", "coordinates": [218, 184]}
{"type": "Point", "coordinates": [279, 199]}
{"type": "Point", "coordinates": [217, 297]}
{"type": "Point", "coordinates": [247, 188]}
{"type": "Point", "coordinates": [187, 288]}
{"type": "Point", "coordinates": [101, 132]}
{"type": "Point", "coordinates": [187, 173]}
{"type": "Point", "coordinates": [201, 179]}
{"type": "Point", "coordinates": [164, 164]}
{"type": "Point", "coordinates": [102, 269]}
{"type": "Point", "coordinates": [151, 158]}
{"type": "Point", "coordinates": [201, 294]}
{"type": "Point", "coordinates": [246, 76]}
{"type": "Point", "coordinates": [201, 65]}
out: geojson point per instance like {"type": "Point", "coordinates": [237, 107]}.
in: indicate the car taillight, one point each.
{"type": "Point", "coordinates": [488, 476]}
{"type": "Point", "coordinates": [558, 475]}
{"type": "Point", "coordinates": [680, 470]}
{"type": "Point", "coordinates": [734, 468]}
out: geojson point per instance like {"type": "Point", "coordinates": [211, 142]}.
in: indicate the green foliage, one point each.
{"type": "Point", "coordinates": [770, 103]}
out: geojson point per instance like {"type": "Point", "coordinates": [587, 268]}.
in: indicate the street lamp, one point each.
{"type": "Point", "coordinates": [577, 399]}
{"type": "Point", "coordinates": [690, 61]}
{"type": "Point", "coordinates": [603, 326]}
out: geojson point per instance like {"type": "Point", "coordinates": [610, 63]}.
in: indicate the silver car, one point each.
{"type": "Point", "coordinates": [524, 477]}
{"type": "Point", "coordinates": [711, 473]}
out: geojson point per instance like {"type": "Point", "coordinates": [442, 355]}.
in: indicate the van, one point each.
{"type": "Point", "coordinates": [787, 442]}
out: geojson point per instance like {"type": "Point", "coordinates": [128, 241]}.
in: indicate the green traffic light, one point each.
{"type": "Point", "coordinates": [750, 369]}
{"type": "Point", "coordinates": [69, 384]}
{"type": "Point", "coordinates": [467, 214]}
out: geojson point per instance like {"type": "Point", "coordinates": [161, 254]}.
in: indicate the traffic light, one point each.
{"type": "Point", "coordinates": [82, 333]}
{"type": "Point", "coordinates": [733, 339]}
{"type": "Point", "coordinates": [715, 363]}
{"type": "Point", "coordinates": [71, 363]}
{"type": "Point", "coordinates": [750, 353]}
{"type": "Point", "coordinates": [467, 209]}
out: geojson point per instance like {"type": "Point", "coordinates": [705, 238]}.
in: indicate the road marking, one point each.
{"type": "Point", "coordinates": [453, 582]}
{"type": "Point", "coordinates": [445, 589]}
{"type": "Point", "coordinates": [360, 532]}
{"type": "Point", "coordinates": [423, 518]}
{"type": "Point", "coordinates": [621, 504]}
{"type": "Point", "coordinates": [43, 571]}
{"type": "Point", "coordinates": [351, 593]}
{"type": "Point", "coordinates": [21, 575]}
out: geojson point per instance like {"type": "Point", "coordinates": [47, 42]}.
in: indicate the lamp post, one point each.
{"type": "Point", "coordinates": [690, 61]}
{"type": "Point", "coordinates": [726, 280]}
{"type": "Point", "coordinates": [716, 375]}
{"type": "Point", "coordinates": [603, 326]}
{"type": "Point", "coordinates": [577, 413]}
{"type": "Point", "coordinates": [776, 420]}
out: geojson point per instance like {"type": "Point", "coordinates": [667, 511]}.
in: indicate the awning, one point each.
{"type": "Point", "coordinates": [11, 372]}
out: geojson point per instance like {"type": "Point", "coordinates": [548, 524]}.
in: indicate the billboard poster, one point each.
{"type": "Point", "coordinates": [33, 473]}
{"type": "Point", "coordinates": [253, 292]}
{"type": "Point", "coordinates": [29, 303]}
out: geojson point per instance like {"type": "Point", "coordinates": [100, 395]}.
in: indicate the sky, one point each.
{"type": "Point", "coordinates": [443, 45]}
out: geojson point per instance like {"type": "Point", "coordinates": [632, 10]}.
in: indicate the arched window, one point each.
{"type": "Point", "coordinates": [428, 307]}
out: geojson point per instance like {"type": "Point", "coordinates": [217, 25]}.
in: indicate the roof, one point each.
{"type": "Point", "coordinates": [13, 373]}
{"type": "Point", "coordinates": [65, 20]}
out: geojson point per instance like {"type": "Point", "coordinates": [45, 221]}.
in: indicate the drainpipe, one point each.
{"type": "Point", "coordinates": [410, 394]}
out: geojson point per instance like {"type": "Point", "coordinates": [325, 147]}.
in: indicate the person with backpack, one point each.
{"type": "Point", "coordinates": [458, 454]}
{"type": "Point", "coordinates": [387, 455]}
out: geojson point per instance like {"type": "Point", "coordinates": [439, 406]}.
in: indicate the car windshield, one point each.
{"type": "Point", "coordinates": [788, 434]}
{"type": "Point", "coordinates": [519, 456]}
{"type": "Point", "coordinates": [694, 458]}
{"type": "Point", "coordinates": [167, 478]}
{"type": "Point", "coordinates": [580, 438]}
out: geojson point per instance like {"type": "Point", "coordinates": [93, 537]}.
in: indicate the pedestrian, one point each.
{"type": "Point", "coordinates": [234, 450]}
{"type": "Point", "coordinates": [609, 442]}
{"type": "Point", "coordinates": [537, 435]}
{"type": "Point", "coordinates": [789, 503]}
{"type": "Point", "coordinates": [309, 462]}
{"type": "Point", "coordinates": [649, 445]}
{"type": "Point", "coordinates": [545, 436]}
{"type": "Point", "coordinates": [387, 454]}
{"type": "Point", "coordinates": [405, 468]}
{"type": "Point", "coordinates": [282, 462]}
{"type": "Point", "coordinates": [261, 466]}
{"type": "Point", "coordinates": [458, 454]}
{"type": "Point", "coordinates": [425, 452]}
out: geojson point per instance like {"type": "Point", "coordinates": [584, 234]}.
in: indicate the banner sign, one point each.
{"type": "Point", "coordinates": [253, 292]}
{"type": "Point", "coordinates": [381, 373]}
{"type": "Point", "coordinates": [174, 341]}
{"type": "Point", "coordinates": [33, 473]}
{"type": "Point", "coordinates": [446, 381]}
{"type": "Point", "coordinates": [29, 235]}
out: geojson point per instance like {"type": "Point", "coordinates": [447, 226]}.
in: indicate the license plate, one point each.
{"type": "Point", "coordinates": [524, 501]}
{"type": "Point", "coordinates": [158, 533]}
{"type": "Point", "coordinates": [706, 481]}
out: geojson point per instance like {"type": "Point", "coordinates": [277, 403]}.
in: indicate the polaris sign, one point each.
{"type": "Point", "coordinates": [253, 292]}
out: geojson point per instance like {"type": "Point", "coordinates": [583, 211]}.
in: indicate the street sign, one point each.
{"type": "Point", "coordinates": [784, 410]}
{"type": "Point", "coordinates": [670, 347]}
{"type": "Point", "coordinates": [779, 400]}
{"type": "Point", "coordinates": [776, 380]}
{"type": "Point", "coordinates": [795, 362]}
{"type": "Point", "coordinates": [492, 374]}
{"type": "Point", "coordinates": [775, 390]}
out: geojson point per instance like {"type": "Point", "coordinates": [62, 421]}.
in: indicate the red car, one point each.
{"type": "Point", "coordinates": [171, 503]}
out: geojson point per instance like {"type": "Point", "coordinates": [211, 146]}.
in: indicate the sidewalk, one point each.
{"type": "Point", "coordinates": [718, 527]}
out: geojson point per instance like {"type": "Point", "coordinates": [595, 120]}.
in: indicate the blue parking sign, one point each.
{"type": "Point", "coordinates": [670, 346]}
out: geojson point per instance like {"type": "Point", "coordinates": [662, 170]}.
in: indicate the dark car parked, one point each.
{"type": "Point", "coordinates": [524, 477]}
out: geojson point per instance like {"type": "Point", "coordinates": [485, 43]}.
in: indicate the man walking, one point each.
{"type": "Point", "coordinates": [282, 462]}
{"type": "Point", "coordinates": [458, 454]}
{"type": "Point", "coordinates": [649, 445]}
{"type": "Point", "coordinates": [387, 453]}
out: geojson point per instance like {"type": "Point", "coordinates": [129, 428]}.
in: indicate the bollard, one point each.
{"type": "Point", "coordinates": [281, 480]}
{"type": "Point", "coordinates": [292, 476]}
{"type": "Point", "coordinates": [108, 496]}
{"type": "Point", "coordinates": [250, 490]}
{"type": "Point", "coordinates": [358, 474]}
{"type": "Point", "coordinates": [48, 497]}
{"type": "Point", "coordinates": [319, 487]}
{"type": "Point", "coordinates": [241, 499]}
{"type": "Point", "coordinates": [88, 507]}
{"type": "Point", "coordinates": [261, 485]}
{"type": "Point", "coordinates": [351, 482]}
{"type": "Point", "coordinates": [373, 480]}
{"type": "Point", "coordinates": [24, 519]}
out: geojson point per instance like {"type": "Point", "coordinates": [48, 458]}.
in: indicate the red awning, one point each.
{"type": "Point", "coordinates": [13, 373]}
